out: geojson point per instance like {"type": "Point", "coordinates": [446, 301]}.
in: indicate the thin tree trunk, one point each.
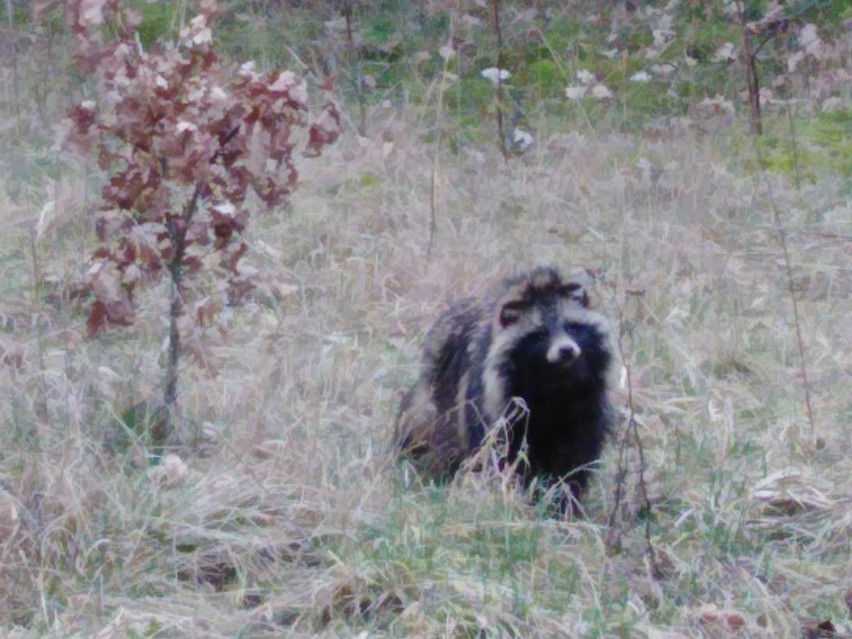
{"type": "Point", "coordinates": [178, 226]}
{"type": "Point", "coordinates": [750, 61]}
{"type": "Point", "coordinates": [499, 92]}
{"type": "Point", "coordinates": [165, 422]}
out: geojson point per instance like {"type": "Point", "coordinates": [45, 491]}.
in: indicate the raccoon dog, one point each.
{"type": "Point", "coordinates": [534, 343]}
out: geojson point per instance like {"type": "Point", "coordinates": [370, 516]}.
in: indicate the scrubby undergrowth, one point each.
{"type": "Point", "coordinates": [286, 517]}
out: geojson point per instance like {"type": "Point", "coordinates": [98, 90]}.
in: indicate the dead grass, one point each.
{"type": "Point", "coordinates": [286, 516]}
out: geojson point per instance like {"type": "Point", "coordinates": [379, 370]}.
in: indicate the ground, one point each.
{"type": "Point", "coordinates": [722, 505]}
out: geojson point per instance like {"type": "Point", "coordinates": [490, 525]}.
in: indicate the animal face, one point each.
{"type": "Point", "coordinates": [537, 339]}
{"type": "Point", "coordinates": [547, 332]}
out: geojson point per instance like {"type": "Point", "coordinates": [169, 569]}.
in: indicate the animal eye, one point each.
{"type": "Point", "coordinates": [511, 312]}
{"type": "Point", "coordinates": [576, 292]}
{"type": "Point", "coordinates": [541, 335]}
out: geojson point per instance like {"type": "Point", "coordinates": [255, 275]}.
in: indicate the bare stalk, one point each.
{"type": "Point", "coordinates": [355, 67]}
{"type": "Point", "coordinates": [795, 148]}
{"type": "Point", "coordinates": [13, 48]}
{"type": "Point", "coordinates": [631, 435]}
{"type": "Point", "coordinates": [499, 85]}
{"type": "Point", "coordinates": [40, 403]}
{"type": "Point", "coordinates": [750, 61]}
{"type": "Point", "coordinates": [439, 117]}
{"type": "Point", "coordinates": [788, 267]}
{"type": "Point", "coordinates": [768, 30]}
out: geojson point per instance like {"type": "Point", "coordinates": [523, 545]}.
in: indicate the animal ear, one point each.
{"type": "Point", "coordinates": [576, 292]}
{"type": "Point", "coordinates": [511, 312]}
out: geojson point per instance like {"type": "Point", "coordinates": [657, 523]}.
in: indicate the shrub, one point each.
{"type": "Point", "coordinates": [184, 139]}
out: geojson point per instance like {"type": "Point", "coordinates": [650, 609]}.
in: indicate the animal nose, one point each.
{"type": "Point", "coordinates": [567, 352]}
{"type": "Point", "coordinates": [563, 351]}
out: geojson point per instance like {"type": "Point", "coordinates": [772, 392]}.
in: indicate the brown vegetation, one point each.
{"type": "Point", "coordinates": [283, 517]}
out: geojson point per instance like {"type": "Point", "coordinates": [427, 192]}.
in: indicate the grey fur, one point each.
{"type": "Point", "coordinates": [535, 338]}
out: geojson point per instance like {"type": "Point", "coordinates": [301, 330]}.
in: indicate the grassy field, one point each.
{"type": "Point", "coordinates": [286, 516]}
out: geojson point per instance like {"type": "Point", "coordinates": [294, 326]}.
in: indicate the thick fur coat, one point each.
{"type": "Point", "coordinates": [535, 342]}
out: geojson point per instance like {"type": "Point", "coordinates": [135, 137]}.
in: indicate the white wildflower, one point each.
{"type": "Point", "coordinates": [575, 93]}
{"type": "Point", "coordinates": [585, 76]}
{"type": "Point", "coordinates": [601, 92]}
{"type": "Point", "coordinates": [493, 73]}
